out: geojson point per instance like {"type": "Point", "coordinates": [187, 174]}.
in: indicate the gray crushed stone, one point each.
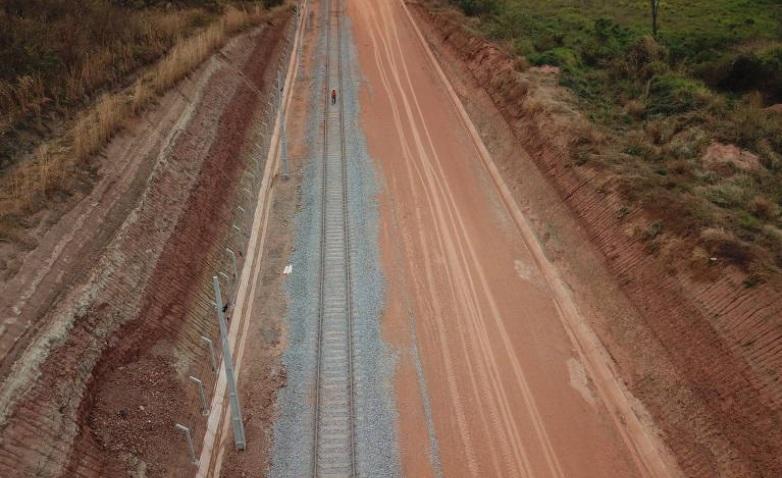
{"type": "Point", "coordinates": [377, 453]}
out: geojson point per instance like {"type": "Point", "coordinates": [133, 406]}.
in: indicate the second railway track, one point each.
{"type": "Point", "coordinates": [334, 429]}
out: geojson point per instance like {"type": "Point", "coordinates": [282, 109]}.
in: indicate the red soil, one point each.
{"type": "Point", "coordinates": [724, 413]}
{"type": "Point", "coordinates": [508, 390]}
{"type": "Point", "coordinates": [107, 397]}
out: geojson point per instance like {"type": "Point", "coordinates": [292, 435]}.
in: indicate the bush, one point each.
{"type": "Point", "coordinates": [763, 208]}
{"type": "Point", "coordinates": [477, 7]}
{"type": "Point", "coordinates": [670, 94]}
{"type": "Point", "coordinates": [746, 71]}
{"type": "Point", "coordinates": [722, 243]}
{"type": "Point", "coordinates": [565, 58]}
{"type": "Point", "coordinates": [608, 41]}
{"type": "Point", "coordinates": [643, 59]}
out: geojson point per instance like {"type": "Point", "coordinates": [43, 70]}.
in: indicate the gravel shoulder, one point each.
{"type": "Point", "coordinates": [375, 425]}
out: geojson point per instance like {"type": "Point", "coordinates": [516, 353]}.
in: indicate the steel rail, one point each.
{"type": "Point", "coordinates": [333, 451]}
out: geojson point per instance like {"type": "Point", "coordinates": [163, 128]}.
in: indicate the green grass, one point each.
{"type": "Point", "coordinates": [729, 44]}
{"type": "Point", "coordinates": [708, 75]}
{"type": "Point", "coordinates": [696, 28]}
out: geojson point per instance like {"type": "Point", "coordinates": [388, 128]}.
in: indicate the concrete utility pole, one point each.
{"type": "Point", "coordinates": [201, 395]}
{"type": "Point", "coordinates": [212, 357]}
{"type": "Point", "coordinates": [233, 393]}
{"type": "Point", "coordinates": [186, 431]}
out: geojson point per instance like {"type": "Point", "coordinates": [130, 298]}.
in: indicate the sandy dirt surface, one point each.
{"type": "Point", "coordinates": [110, 308]}
{"type": "Point", "coordinates": [514, 341]}
{"type": "Point", "coordinates": [486, 362]}
{"type": "Point", "coordinates": [698, 353]}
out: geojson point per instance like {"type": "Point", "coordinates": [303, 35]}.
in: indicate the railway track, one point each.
{"type": "Point", "coordinates": [334, 433]}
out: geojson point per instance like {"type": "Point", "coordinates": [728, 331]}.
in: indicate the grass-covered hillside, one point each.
{"type": "Point", "coordinates": [55, 54]}
{"type": "Point", "coordinates": [73, 72]}
{"type": "Point", "coordinates": [692, 131]}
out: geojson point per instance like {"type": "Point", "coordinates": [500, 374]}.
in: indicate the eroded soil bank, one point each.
{"type": "Point", "coordinates": [118, 292]}
{"type": "Point", "coordinates": [702, 355]}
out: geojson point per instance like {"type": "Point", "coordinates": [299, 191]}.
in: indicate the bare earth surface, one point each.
{"type": "Point", "coordinates": [484, 354]}
{"type": "Point", "coordinates": [499, 329]}
{"type": "Point", "coordinates": [701, 354]}
{"type": "Point", "coordinates": [103, 321]}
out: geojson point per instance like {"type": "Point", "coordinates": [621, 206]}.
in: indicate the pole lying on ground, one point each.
{"type": "Point", "coordinates": [236, 412]}
{"type": "Point", "coordinates": [201, 395]}
{"type": "Point", "coordinates": [284, 149]}
{"type": "Point", "coordinates": [212, 357]}
{"type": "Point", "coordinates": [186, 431]}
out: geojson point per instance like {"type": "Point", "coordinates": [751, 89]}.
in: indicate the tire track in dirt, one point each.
{"type": "Point", "coordinates": [554, 465]}
{"type": "Point", "coordinates": [450, 223]}
{"type": "Point", "coordinates": [436, 307]}
{"type": "Point", "coordinates": [711, 388]}
{"type": "Point", "coordinates": [496, 393]}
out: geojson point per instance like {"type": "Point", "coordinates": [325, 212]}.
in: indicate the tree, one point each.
{"type": "Point", "coordinates": [655, 4]}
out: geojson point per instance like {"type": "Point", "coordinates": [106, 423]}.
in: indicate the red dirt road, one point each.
{"type": "Point", "coordinates": [510, 393]}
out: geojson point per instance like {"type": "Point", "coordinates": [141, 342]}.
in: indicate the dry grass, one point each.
{"type": "Point", "coordinates": [57, 56]}
{"type": "Point", "coordinates": [25, 186]}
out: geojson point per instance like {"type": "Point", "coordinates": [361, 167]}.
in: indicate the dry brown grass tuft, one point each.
{"type": "Point", "coordinates": [763, 208]}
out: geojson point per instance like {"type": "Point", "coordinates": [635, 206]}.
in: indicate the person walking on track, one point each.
{"type": "Point", "coordinates": [333, 97]}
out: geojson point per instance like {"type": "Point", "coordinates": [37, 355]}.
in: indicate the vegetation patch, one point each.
{"type": "Point", "coordinates": [74, 72]}
{"type": "Point", "coordinates": [686, 116]}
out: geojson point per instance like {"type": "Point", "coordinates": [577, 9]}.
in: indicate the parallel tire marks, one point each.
{"type": "Point", "coordinates": [466, 279]}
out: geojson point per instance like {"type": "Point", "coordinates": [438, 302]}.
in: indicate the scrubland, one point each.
{"type": "Point", "coordinates": [687, 122]}
{"type": "Point", "coordinates": [73, 73]}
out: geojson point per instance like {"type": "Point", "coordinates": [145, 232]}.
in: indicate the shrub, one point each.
{"type": "Point", "coordinates": [608, 41]}
{"type": "Point", "coordinates": [564, 58]}
{"type": "Point", "coordinates": [751, 127]}
{"type": "Point", "coordinates": [733, 193]}
{"type": "Point", "coordinates": [643, 59]}
{"type": "Point", "coordinates": [746, 71]}
{"type": "Point", "coordinates": [670, 94]}
{"type": "Point", "coordinates": [644, 51]}
{"type": "Point", "coordinates": [477, 7]}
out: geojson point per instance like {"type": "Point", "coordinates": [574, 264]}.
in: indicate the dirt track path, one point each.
{"type": "Point", "coordinates": [486, 359]}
